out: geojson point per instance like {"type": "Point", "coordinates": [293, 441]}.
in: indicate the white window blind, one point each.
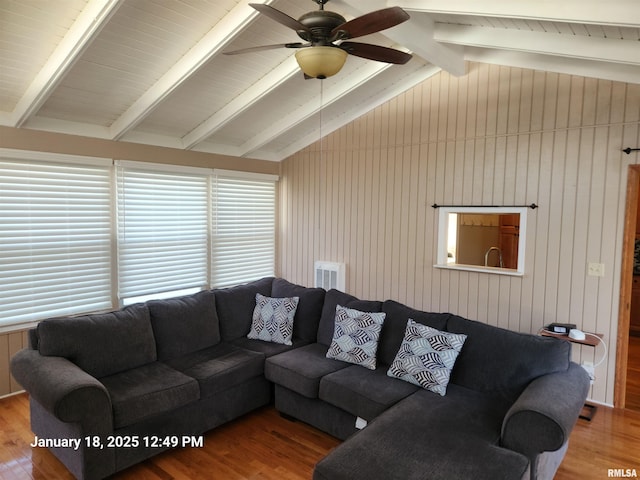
{"type": "Point", "coordinates": [162, 229]}
{"type": "Point", "coordinates": [55, 239]}
{"type": "Point", "coordinates": [243, 239]}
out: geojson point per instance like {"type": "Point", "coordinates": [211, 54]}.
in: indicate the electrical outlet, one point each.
{"type": "Point", "coordinates": [595, 269]}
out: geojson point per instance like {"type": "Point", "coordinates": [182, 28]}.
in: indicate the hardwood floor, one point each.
{"type": "Point", "coordinates": [262, 445]}
{"type": "Point", "coordinates": [632, 399]}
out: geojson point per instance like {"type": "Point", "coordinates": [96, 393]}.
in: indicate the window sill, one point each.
{"type": "Point", "coordinates": [473, 268]}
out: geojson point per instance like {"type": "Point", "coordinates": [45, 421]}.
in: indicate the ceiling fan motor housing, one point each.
{"type": "Point", "coordinates": [320, 23]}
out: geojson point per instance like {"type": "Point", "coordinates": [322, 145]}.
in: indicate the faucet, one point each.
{"type": "Point", "coordinates": [486, 256]}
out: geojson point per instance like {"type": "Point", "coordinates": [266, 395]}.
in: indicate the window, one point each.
{"type": "Point", "coordinates": [80, 235]}
{"type": "Point", "coordinates": [55, 236]}
{"type": "Point", "coordinates": [243, 238]}
{"type": "Point", "coordinates": [482, 239]}
{"type": "Point", "coordinates": [162, 229]}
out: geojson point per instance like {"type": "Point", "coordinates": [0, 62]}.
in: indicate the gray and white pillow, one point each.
{"type": "Point", "coordinates": [273, 319]}
{"type": "Point", "coordinates": [426, 357]}
{"type": "Point", "coordinates": [355, 336]}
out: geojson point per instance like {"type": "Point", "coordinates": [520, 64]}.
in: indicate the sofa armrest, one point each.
{"type": "Point", "coordinates": [62, 388]}
{"type": "Point", "coordinates": [542, 418]}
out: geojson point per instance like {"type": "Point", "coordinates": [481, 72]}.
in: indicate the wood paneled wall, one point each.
{"type": "Point", "coordinates": [10, 343]}
{"type": "Point", "coordinates": [497, 135]}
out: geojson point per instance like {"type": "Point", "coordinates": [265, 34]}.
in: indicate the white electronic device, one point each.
{"type": "Point", "coordinates": [577, 334]}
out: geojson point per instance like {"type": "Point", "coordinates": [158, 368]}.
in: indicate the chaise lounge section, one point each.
{"type": "Point", "coordinates": [180, 367]}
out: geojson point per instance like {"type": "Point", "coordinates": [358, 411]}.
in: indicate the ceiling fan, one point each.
{"type": "Point", "coordinates": [326, 33]}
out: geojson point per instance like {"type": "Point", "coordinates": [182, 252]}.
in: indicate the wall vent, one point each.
{"type": "Point", "coordinates": [330, 275]}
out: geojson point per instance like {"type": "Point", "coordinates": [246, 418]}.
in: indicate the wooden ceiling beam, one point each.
{"type": "Point", "coordinates": [211, 44]}
{"type": "Point", "coordinates": [84, 30]}
{"type": "Point", "coordinates": [574, 46]}
{"type": "Point", "coordinates": [622, 13]}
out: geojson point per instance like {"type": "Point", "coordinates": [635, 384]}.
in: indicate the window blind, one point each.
{"type": "Point", "coordinates": [162, 229]}
{"type": "Point", "coordinates": [243, 239]}
{"type": "Point", "coordinates": [55, 241]}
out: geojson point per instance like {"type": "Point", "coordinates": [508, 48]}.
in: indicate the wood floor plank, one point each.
{"type": "Point", "coordinates": [632, 399]}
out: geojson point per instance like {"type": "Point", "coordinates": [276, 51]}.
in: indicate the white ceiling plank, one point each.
{"type": "Point", "coordinates": [617, 72]}
{"type": "Point", "coordinates": [612, 12]}
{"type": "Point", "coordinates": [83, 31]}
{"type": "Point", "coordinates": [6, 119]}
{"type": "Point", "coordinates": [211, 44]}
{"type": "Point", "coordinates": [408, 82]}
{"type": "Point", "coordinates": [314, 105]}
{"type": "Point", "coordinates": [416, 34]}
{"type": "Point", "coordinates": [590, 48]}
{"type": "Point", "coordinates": [240, 104]}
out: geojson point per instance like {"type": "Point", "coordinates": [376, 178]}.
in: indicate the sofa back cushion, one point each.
{"type": "Point", "coordinates": [503, 362]}
{"type": "Point", "coordinates": [235, 306]}
{"type": "Point", "coordinates": [184, 324]}
{"type": "Point", "coordinates": [332, 299]}
{"type": "Point", "coordinates": [101, 344]}
{"type": "Point", "coordinates": [307, 318]}
{"type": "Point", "coordinates": [395, 325]}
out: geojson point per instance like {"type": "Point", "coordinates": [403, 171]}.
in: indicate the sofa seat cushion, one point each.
{"type": "Point", "coordinates": [363, 393]}
{"type": "Point", "coordinates": [220, 367]}
{"type": "Point", "coordinates": [429, 436]}
{"type": "Point", "coordinates": [268, 349]}
{"type": "Point", "coordinates": [365, 458]}
{"type": "Point", "coordinates": [147, 391]}
{"type": "Point", "coordinates": [302, 369]}
{"type": "Point", "coordinates": [463, 412]}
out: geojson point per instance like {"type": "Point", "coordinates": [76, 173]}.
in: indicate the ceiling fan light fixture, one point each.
{"type": "Point", "coordinates": [320, 61]}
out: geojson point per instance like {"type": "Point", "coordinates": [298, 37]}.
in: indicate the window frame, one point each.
{"type": "Point", "coordinates": [113, 166]}
{"type": "Point", "coordinates": [57, 251]}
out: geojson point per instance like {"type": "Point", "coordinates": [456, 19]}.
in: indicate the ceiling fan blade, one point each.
{"type": "Point", "coordinates": [370, 23]}
{"type": "Point", "coordinates": [267, 47]}
{"type": "Point", "coordinates": [376, 52]}
{"type": "Point", "coordinates": [280, 17]}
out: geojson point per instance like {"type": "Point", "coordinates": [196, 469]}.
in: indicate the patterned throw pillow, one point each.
{"type": "Point", "coordinates": [426, 357]}
{"type": "Point", "coordinates": [355, 336]}
{"type": "Point", "coordinates": [273, 319]}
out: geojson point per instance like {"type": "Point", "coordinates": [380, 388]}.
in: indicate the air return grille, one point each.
{"type": "Point", "coordinates": [330, 275]}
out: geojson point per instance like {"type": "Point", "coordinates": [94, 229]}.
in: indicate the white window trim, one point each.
{"type": "Point", "coordinates": [163, 167]}
{"type": "Point", "coordinates": [267, 177]}
{"type": "Point", "coordinates": [28, 155]}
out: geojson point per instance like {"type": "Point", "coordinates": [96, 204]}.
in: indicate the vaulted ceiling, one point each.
{"type": "Point", "coordinates": [153, 72]}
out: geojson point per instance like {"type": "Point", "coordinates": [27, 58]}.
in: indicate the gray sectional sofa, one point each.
{"type": "Point", "coordinates": [110, 390]}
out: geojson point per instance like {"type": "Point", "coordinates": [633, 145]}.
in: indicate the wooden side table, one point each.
{"type": "Point", "coordinates": [591, 340]}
